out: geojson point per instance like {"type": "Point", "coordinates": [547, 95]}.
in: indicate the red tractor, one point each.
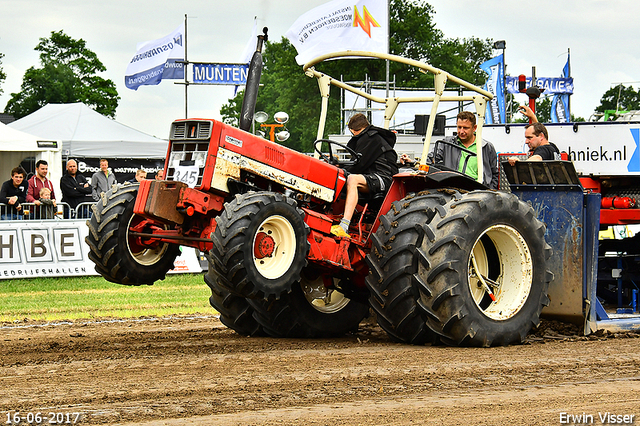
{"type": "Point", "coordinates": [439, 258]}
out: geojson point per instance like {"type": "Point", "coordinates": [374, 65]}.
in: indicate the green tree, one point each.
{"type": "Point", "coordinates": [619, 98]}
{"type": "Point", "coordinates": [3, 76]}
{"type": "Point", "coordinates": [413, 34]}
{"type": "Point", "coordinates": [543, 111]}
{"type": "Point", "coordinates": [68, 73]}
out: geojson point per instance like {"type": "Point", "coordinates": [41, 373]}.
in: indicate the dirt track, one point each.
{"type": "Point", "coordinates": [195, 371]}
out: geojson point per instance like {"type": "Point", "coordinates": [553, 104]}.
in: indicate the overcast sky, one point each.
{"type": "Point", "coordinates": [602, 36]}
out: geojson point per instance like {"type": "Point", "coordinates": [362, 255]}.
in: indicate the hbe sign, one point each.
{"type": "Point", "coordinates": [43, 248]}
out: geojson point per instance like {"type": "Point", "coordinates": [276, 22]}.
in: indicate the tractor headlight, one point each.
{"type": "Point", "coordinates": [199, 158]}
{"type": "Point", "coordinates": [175, 159]}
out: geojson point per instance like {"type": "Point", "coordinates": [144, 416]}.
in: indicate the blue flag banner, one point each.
{"type": "Point", "coordinates": [495, 84]}
{"type": "Point", "coordinates": [235, 74]}
{"type": "Point", "coordinates": [560, 103]}
{"type": "Point", "coordinates": [157, 59]}
{"type": "Point", "coordinates": [551, 86]}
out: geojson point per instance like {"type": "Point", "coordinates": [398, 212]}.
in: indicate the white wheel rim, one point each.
{"type": "Point", "coordinates": [146, 256]}
{"type": "Point", "coordinates": [323, 299]}
{"type": "Point", "coordinates": [279, 261]}
{"type": "Point", "coordinates": [512, 286]}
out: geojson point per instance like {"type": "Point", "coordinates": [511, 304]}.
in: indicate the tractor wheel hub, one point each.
{"type": "Point", "coordinates": [264, 246]}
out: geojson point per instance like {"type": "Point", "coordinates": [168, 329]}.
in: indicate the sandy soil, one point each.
{"type": "Point", "coordinates": [195, 371]}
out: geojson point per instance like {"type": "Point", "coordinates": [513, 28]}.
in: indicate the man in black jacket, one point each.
{"type": "Point", "coordinates": [75, 187]}
{"type": "Point", "coordinates": [373, 171]}
{"type": "Point", "coordinates": [13, 194]}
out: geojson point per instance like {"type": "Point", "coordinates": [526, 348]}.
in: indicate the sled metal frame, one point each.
{"type": "Point", "coordinates": [572, 216]}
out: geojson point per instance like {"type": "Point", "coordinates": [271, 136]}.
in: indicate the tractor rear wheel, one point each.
{"type": "Point", "coordinates": [260, 245]}
{"type": "Point", "coordinates": [120, 257]}
{"type": "Point", "coordinates": [314, 308]}
{"type": "Point", "coordinates": [463, 269]}
{"type": "Point", "coordinates": [396, 252]}
{"type": "Point", "coordinates": [485, 272]}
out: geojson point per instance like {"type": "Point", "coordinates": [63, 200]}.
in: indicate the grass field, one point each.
{"type": "Point", "coordinates": [50, 299]}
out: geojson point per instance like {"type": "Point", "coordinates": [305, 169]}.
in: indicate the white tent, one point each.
{"type": "Point", "coordinates": [15, 146]}
{"type": "Point", "coordinates": [86, 133]}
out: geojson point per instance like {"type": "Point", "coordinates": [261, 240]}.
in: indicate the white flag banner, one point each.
{"type": "Point", "coordinates": [157, 59]}
{"type": "Point", "coordinates": [341, 25]}
{"type": "Point", "coordinates": [249, 50]}
{"type": "Point", "coordinates": [250, 47]}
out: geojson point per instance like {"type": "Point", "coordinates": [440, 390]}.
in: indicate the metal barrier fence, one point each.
{"type": "Point", "coordinates": [61, 211]}
{"type": "Point", "coordinates": [83, 211]}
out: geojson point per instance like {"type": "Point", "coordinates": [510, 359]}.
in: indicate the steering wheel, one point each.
{"type": "Point", "coordinates": [331, 159]}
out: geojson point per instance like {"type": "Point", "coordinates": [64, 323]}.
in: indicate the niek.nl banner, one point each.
{"type": "Point", "coordinates": [156, 60]}
{"type": "Point", "coordinates": [341, 25]}
{"type": "Point", "coordinates": [494, 67]}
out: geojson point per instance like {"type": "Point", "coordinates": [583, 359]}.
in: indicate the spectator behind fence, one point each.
{"type": "Point", "coordinates": [74, 186]}
{"type": "Point", "coordinates": [103, 180]}
{"type": "Point", "coordinates": [39, 181]}
{"type": "Point", "coordinates": [48, 208]}
{"type": "Point", "coordinates": [160, 174]}
{"type": "Point", "coordinates": [139, 177]}
{"type": "Point", "coordinates": [13, 194]}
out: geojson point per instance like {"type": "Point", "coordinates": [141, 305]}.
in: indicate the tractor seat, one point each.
{"type": "Point", "coordinates": [373, 203]}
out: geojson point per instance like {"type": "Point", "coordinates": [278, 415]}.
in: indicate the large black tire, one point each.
{"type": "Point", "coordinates": [235, 312]}
{"type": "Point", "coordinates": [423, 281]}
{"type": "Point", "coordinates": [505, 239]}
{"type": "Point", "coordinates": [259, 246]}
{"type": "Point", "coordinates": [117, 256]}
{"type": "Point", "coordinates": [310, 310]}
{"type": "Point", "coordinates": [393, 262]}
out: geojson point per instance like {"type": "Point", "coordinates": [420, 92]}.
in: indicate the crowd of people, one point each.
{"type": "Point", "coordinates": [35, 198]}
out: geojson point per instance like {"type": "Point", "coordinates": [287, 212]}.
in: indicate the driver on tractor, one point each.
{"type": "Point", "coordinates": [451, 156]}
{"type": "Point", "coordinates": [372, 173]}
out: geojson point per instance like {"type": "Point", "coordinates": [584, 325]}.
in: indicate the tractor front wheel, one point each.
{"type": "Point", "coordinates": [259, 246]}
{"type": "Point", "coordinates": [119, 256]}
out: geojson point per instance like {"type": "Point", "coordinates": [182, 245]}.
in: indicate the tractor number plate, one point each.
{"type": "Point", "coordinates": [187, 174]}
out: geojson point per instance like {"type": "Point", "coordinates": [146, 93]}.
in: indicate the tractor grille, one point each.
{"type": "Point", "coordinates": [273, 156]}
{"type": "Point", "coordinates": [189, 148]}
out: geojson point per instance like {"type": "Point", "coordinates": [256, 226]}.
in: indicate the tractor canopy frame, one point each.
{"type": "Point", "coordinates": [441, 77]}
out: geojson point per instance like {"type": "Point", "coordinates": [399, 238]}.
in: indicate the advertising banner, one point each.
{"type": "Point", "coordinates": [599, 149]}
{"type": "Point", "coordinates": [550, 85]}
{"type": "Point", "coordinates": [124, 169]}
{"type": "Point", "coordinates": [560, 112]}
{"type": "Point", "coordinates": [156, 60]}
{"type": "Point", "coordinates": [494, 67]}
{"type": "Point", "coordinates": [56, 248]}
{"type": "Point", "coordinates": [232, 74]}
{"type": "Point", "coordinates": [341, 25]}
